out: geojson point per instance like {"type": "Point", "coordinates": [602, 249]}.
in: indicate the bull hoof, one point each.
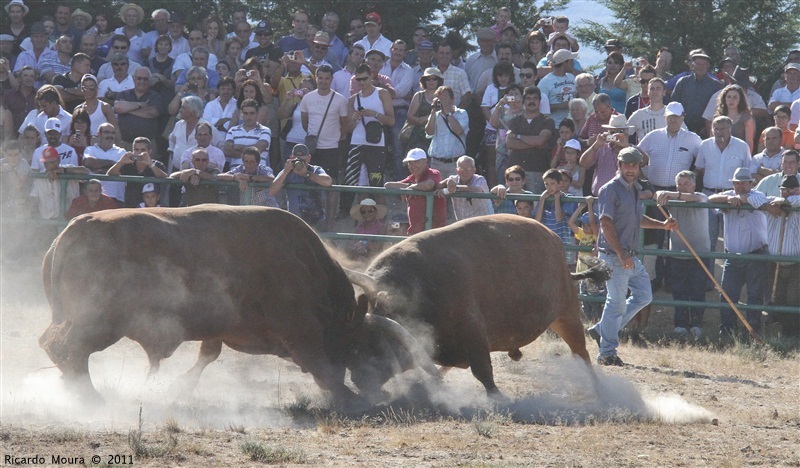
{"type": "Point", "coordinates": [498, 398]}
{"type": "Point", "coordinates": [515, 354]}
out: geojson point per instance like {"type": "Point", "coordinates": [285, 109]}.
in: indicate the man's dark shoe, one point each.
{"type": "Point", "coordinates": [594, 335]}
{"type": "Point", "coordinates": [610, 361]}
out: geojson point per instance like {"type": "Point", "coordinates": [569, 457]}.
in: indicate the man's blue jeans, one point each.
{"type": "Point", "coordinates": [618, 311]}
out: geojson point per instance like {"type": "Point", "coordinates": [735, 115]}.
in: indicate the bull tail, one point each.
{"type": "Point", "coordinates": [598, 270]}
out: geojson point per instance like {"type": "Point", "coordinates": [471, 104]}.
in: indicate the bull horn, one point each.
{"type": "Point", "coordinates": [408, 341]}
{"type": "Point", "coordinates": [363, 280]}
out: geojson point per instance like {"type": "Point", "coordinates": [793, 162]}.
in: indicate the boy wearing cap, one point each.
{"type": "Point", "coordinates": [374, 39]}
{"type": "Point", "coordinates": [424, 179]}
{"type": "Point", "coordinates": [307, 204]}
{"type": "Point", "coordinates": [266, 50]}
{"type": "Point", "coordinates": [150, 197]}
{"type": "Point", "coordinates": [621, 217]}
{"type": "Point", "coordinates": [47, 191]}
{"type": "Point", "coordinates": [745, 232]}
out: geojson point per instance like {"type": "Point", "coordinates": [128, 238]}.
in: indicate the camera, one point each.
{"type": "Point", "coordinates": [610, 138]}
{"type": "Point", "coordinates": [636, 63]}
{"type": "Point", "coordinates": [511, 98]}
{"type": "Point", "coordinates": [298, 92]}
{"type": "Point", "coordinates": [548, 21]}
{"type": "Point", "coordinates": [136, 157]}
{"type": "Point", "coordinates": [249, 73]}
{"type": "Point", "coordinates": [298, 163]}
{"type": "Point", "coordinates": [437, 104]}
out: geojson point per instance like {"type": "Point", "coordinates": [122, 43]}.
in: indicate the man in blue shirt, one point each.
{"type": "Point", "coordinates": [307, 204]}
{"type": "Point", "coordinates": [621, 216]}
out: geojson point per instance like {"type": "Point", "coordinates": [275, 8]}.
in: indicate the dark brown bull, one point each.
{"type": "Point", "coordinates": [258, 280]}
{"type": "Point", "coordinates": [492, 283]}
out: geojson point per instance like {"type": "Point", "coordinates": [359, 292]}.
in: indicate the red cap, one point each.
{"type": "Point", "coordinates": [49, 154]}
{"type": "Point", "coordinates": [372, 18]}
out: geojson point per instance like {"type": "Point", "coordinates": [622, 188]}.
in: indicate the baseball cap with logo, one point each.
{"type": "Point", "coordinates": [300, 150]}
{"type": "Point", "coordinates": [263, 26]}
{"type": "Point", "coordinates": [147, 188]}
{"type": "Point", "coordinates": [52, 124]}
{"type": "Point", "coordinates": [789, 182]}
{"type": "Point", "coordinates": [574, 144]}
{"type": "Point", "coordinates": [425, 45]}
{"type": "Point", "coordinates": [373, 18]}
{"type": "Point", "coordinates": [49, 154]}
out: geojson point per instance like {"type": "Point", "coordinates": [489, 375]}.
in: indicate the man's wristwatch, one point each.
{"type": "Point", "coordinates": [517, 136]}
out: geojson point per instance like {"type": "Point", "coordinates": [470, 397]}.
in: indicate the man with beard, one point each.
{"type": "Point", "coordinates": [621, 217]}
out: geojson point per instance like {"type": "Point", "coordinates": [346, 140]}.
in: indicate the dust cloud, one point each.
{"type": "Point", "coordinates": [239, 390]}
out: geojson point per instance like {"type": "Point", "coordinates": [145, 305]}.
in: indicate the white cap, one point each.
{"type": "Point", "coordinates": [574, 144]}
{"type": "Point", "coordinates": [674, 108]}
{"type": "Point", "coordinates": [562, 55]}
{"type": "Point", "coordinates": [415, 154]}
{"type": "Point", "coordinates": [148, 188]}
{"type": "Point", "coordinates": [52, 124]}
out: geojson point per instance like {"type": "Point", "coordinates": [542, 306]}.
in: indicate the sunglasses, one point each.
{"type": "Point", "coordinates": [614, 131]}
{"type": "Point", "coordinates": [431, 78]}
{"type": "Point", "coordinates": [142, 78]}
{"type": "Point", "coordinates": [119, 64]}
{"type": "Point", "coordinates": [526, 75]}
{"type": "Point", "coordinates": [367, 211]}
{"type": "Point", "coordinates": [363, 78]}
{"type": "Point", "coordinates": [200, 160]}
{"type": "Point", "coordinates": [513, 179]}
{"type": "Point", "coordinates": [644, 80]}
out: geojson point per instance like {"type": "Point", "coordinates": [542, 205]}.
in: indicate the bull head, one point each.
{"type": "Point", "coordinates": [382, 349]}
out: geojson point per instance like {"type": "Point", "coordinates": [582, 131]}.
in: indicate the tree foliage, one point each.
{"type": "Point", "coordinates": [471, 15]}
{"type": "Point", "coordinates": [764, 30]}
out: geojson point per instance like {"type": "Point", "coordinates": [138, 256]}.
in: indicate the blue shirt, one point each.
{"type": "Point", "coordinates": [619, 201]}
{"type": "Point", "coordinates": [307, 204]}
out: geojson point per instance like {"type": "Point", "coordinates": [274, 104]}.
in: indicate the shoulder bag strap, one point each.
{"type": "Point", "coordinates": [319, 130]}
{"type": "Point", "coordinates": [451, 130]}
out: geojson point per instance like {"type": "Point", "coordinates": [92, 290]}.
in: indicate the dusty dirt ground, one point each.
{"type": "Point", "coordinates": [676, 404]}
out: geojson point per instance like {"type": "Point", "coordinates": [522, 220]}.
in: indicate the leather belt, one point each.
{"type": "Point", "coordinates": [445, 160]}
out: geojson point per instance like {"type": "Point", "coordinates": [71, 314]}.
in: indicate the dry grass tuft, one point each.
{"type": "Point", "coordinates": [273, 456]}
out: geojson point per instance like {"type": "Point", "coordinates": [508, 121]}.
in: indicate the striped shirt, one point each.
{"type": "Point", "coordinates": [745, 230]}
{"type": "Point", "coordinates": [669, 155]}
{"type": "Point", "coordinates": [719, 165]}
{"type": "Point", "coordinates": [239, 136]}
{"type": "Point", "coordinates": [464, 208]}
{"type": "Point", "coordinates": [791, 239]}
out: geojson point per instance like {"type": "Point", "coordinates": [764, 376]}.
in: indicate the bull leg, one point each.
{"type": "Point", "coordinates": [571, 331]}
{"type": "Point", "coordinates": [209, 352]}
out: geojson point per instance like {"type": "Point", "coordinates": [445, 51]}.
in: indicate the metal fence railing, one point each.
{"type": "Point", "coordinates": [643, 251]}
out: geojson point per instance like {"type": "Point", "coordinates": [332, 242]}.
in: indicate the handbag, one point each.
{"type": "Point", "coordinates": [405, 133]}
{"type": "Point", "coordinates": [373, 129]}
{"type": "Point", "coordinates": [311, 140]}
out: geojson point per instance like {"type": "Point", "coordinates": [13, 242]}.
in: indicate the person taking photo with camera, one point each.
{"type": "Point", "coordinates": [307, 204]}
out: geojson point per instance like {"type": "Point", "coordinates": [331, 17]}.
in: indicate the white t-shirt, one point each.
{"type": "Point", "coordinates": [314, 105]}
{"type": "Point", "coordinates": [67, 154]}
{"type": "Point", "coordinates": [115, 153]}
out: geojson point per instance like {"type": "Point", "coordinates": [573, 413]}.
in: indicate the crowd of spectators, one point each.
{"type": "Point", "coordinates": [129, 93]}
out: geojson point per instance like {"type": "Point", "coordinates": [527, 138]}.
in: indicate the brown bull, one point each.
{"type": "Point", "coordinates": [492, 283]}
{"type": "Point", "coordinates": [257, 279]}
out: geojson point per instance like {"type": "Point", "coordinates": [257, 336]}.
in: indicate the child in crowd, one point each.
{"type": "Point", "coordinates": [566, 132]}
{"type": "Point", "coordinates": [586, 229]}
{"type": "Point", "coordinates": [550, 211]}
{"type": "Point", "coordinates": [524, 208]}
{"type": "Point", "coordinates": [572, 153]}
{"type": "Point", "coordinates": [561, 28]}
{"type": "Point", "coordinates": [150, 196]}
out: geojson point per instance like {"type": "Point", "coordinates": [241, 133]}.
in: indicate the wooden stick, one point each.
{"type": "Point", "coordinates": [716, 284]}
